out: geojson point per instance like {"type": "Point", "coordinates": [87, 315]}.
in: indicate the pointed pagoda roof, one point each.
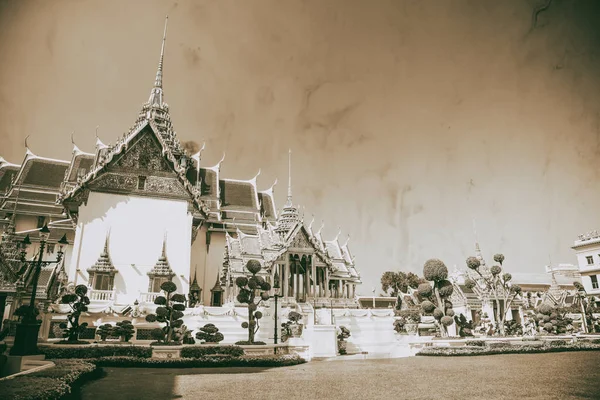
{"type": "Point", "coordinates": [194, 286]}
{"type": "Point", "coordinates": [104, 263]}
{"type": "Point", "coordinates": [162, 266]}
{"type": "Point", "coordinates": [217, 287]}
{"type": "Point", "coordinates": [155, 115]}
{"type": "Point", "coordinates": [290, 216]}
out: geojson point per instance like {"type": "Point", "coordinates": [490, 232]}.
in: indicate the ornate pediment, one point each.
{"type": "Point", "coordinates": [301, 241]}
{"type": "Point", "coordinates": [144, 155]}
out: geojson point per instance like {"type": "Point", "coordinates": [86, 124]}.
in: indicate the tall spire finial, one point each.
{"type": "Point", "coordinates": [158, 81]}
{"type": "Point", "coordinates": [289, 196]}
{"type": "Point", "coordinates": [156, 97]}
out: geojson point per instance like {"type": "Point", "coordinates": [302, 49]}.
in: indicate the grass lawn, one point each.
{"type": "Point", "coordinates": [511, 376]}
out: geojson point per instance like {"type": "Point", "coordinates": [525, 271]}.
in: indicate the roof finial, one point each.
{"type": "Point", "coordinates": [27, 145]}
{"type": "Point", "coordinates": [289, 196]}
{"type": "Point", "coordinates": [164, 246]}
{"type": "Point", "coordinates": [156, 97]}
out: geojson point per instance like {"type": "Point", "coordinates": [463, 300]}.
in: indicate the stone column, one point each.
{"type": "Point", "coordinates": [327, 294]}
{"type": "Point", "coordinates": [286, 278]}
{"type": "Point", "coordinates": [313, 272]}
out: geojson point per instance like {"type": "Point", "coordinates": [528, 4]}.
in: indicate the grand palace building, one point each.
{"type": "Point", "coordinates": [143, 211]}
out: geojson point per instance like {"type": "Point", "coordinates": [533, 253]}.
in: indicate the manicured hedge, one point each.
{"type": "Point", "coordinates": [86, 352]}
{"type": "Point", "coordinates": [201, 362]}
{"type": "Point", "coordinates": [201, 351]}
{"type": "Point", "coordinates": [49, 384]}
{"type": "Point", "coordinates": [480, 343]}
{"type": "Point", "coordinates": [513, 349]}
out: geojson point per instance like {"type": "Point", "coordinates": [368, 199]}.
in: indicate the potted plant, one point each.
{"type": "Point", "coordinates": [412, 318]}
{"type": "Point", "coordinates": [343, 334]}
{"type": "Point", "coordinates": [295, 327]}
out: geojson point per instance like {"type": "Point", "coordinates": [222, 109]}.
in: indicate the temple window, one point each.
{"type": "Point", "coordinates": [103, 281]}
{"type": "Point", "coordinates": [41, 221]}
{"type": "Point", "coordinates": [141, 182]}
{"type": "Point", "coordinates": [594, 279]}
{"type": "Point", "coordinates": [156, 281]}
{"type": "Point", "coordinates": [590, 260]}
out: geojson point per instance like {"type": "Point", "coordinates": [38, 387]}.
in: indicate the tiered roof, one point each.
{"type": "Point", "coordinates": [104, 263]}
{"type": "Point", "coordinates": [162, 266]}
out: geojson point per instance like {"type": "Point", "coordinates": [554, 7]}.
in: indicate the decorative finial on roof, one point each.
{"type": "Point", "coordinates": [338, 234]}
{"type": "Point", "coordinates": [347, 240]}
{"type": "Point", "coordinates": [289, 195]}
{"type": "Point", "coordinates": [221, 162]}
{"type": "Point", "coordinates": [257, 175]}
{"type": "Point", "coordinates": [321, 228]}
{"type": "Point", "coordinates": [273, 185]}
{"type": "Point", "coordinates": [156, 97]}
{"type": "Point", "coordinates": [28, 151]}
{"type": "Point", "coordinates": [75, 148]}
{"type": "Point", "coordinates": [311, 223]}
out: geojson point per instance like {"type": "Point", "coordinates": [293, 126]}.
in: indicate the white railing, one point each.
{"type": "Point", "coordinates": [101, 295]}
{"type": "Point", "coordinates": [149, 297]}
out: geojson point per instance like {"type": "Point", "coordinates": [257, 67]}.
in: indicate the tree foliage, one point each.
{"type": "Point", "coordinates": [495, 285]}
{"type": "Point", "coordinates": [248, 290]}
{"type": "Point", "coordinates": [124, 329]}
{"type": "Point", "coordinates": [437, 294]}
{"type": "Point", "coordinates": [169, 311]}
{"type": "Point", "coordinates": [392, 283]}
{"type": "Point", "coordinates": [78, 301]}
{"type": "Point", "coordinates": [209, 333]}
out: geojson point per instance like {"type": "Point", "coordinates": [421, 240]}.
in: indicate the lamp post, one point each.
{"type": "Point", "coordinates": [276, 287]}
{"type": "Point", "coordinates": [28, 329]}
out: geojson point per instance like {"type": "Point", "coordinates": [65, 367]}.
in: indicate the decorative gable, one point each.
{"type": "Point", "coordinates": [145, 155]}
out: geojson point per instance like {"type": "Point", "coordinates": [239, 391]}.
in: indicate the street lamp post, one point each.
{"type": "Point", "coordinates": [276, 288]}
{"type": "Point", "coordinates": [28, 329]}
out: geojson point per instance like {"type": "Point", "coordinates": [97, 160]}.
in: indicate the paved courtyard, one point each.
{"type": "Point", "coordinates": [531, 376]}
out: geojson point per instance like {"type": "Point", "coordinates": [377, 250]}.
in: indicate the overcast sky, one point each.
{"type": "Point", "coordinates": [407, 119]}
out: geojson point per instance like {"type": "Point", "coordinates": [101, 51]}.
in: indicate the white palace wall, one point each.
{"type": "Point", "coordinates": [207, 264]}
{"type": "Point", "coordinates": [137, 228]}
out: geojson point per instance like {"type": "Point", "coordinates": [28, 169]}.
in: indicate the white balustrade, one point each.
{"type": "Point", "coordinates": [101, 295]}
{"type": "Point", "coordinates": [149, 297]}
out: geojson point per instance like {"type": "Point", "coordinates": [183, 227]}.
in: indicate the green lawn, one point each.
{"type": "Point", "coordinates": [531, 376]}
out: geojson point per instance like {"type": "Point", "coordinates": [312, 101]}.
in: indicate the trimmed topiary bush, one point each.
{"type": "Point", "coordinates": [104, 331]}
{"type": "Point", "coordinates": [78, 302]}
{"type": "Point", "coordinates": [438, 294]}
{"type": "Point", "coordinates": [203, 351]}
{"type": "Point", "coordinates": [247, 291]}
{"type": "Point", "coordinates": [55, 352]}
{"type": "Point", "coordinates": [124, 329]}
{"type": "Point", "coordinates": [169, 311]}
{"type": "Point", "coordinates": [209, 333]}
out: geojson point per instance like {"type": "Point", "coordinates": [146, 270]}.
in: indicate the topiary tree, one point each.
{"type": "Point", "coordinates": [494, 285]}
{"type": "Point", "coordinates": [552, 319]}
{"type": "Point", "coordinates": [392, 283]}
{"type": "Point", "coordinates": [104, 331]}
{"type": "Point", "coordinates": [78, 301]}
{"type": "Point", "coordinates": [438, 294]}
{"type": "Point", "coordinates": [169, 311]}
{"type": "Point", "coordinates": [209, 333]}
{"type": "Point", "coordinates": [124, 329]}
{"type": "Point", "coordinates": [248, 290]}
{"type": "Point", "coordinates": [465, 328]}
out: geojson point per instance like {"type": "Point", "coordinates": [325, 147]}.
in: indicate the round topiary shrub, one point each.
{"type": "Point", "coordinates": [446, 320]}
{"type": "Point", "coordinates": [470, 283]}
{"type": "Point", "coordinates": [253, 266]}
{"type": "Point", "coordinates": [450, 313]}
{"type": "Point", "coordinates": [435, 270]}
{"type": "Point", "coordinates": [473, 263]}
{"type": "Point", "coordinates": [499, 258]}
{"type": "Point", "coordinates": [545, 309]}
{"type": "Point", "coordinates": [425, 289]}
{"type": "Point", "coordinates": [445, 288]}
{"type": "Point", "coordinates": [548, 327]}
{"type": "Point", "coordinates": [427, 306]}
{"type": "Point", "coordinates": [495, 270]}
{"type": "Point", "coordinates": [437, 313]}
{"type": "Point", "coordinates": [506, 277]}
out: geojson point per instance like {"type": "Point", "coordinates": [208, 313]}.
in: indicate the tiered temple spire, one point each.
{"type": "Point", "coordinates": [162, 266]}
{"type": "Point", "coordinates": [104, 263]}
{"type": "Point", "coordinates": [290, 216]}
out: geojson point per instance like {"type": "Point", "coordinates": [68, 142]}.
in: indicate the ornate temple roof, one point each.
{"type": "Point", "coordinates": [162, 266]}
{"type": "Point", "coordinates": [104, 263]}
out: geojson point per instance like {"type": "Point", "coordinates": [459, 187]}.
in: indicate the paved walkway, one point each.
{"type": "Point", "coordinates": [531, 376]}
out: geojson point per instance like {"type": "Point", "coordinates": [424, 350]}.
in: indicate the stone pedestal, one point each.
{"type": "Point", "coordinates": [324, 341]}
{"type": "Point", "coordinates": [166, 351]}
{"type": "Point", "coordinates": [26, 339]}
